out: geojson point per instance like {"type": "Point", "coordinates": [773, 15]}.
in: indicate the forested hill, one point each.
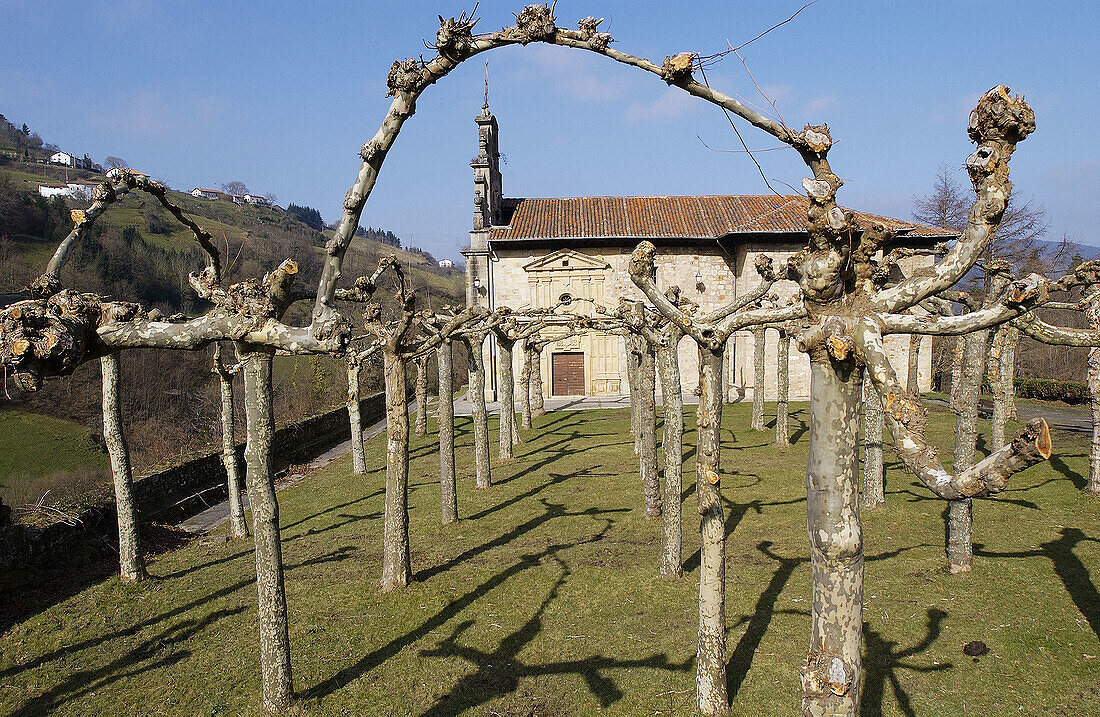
{"type": "Point", "coordinates": [138, 252]}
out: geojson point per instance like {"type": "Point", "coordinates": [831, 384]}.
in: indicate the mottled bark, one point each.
{"type": "Point", "coordinates": [758, 336]}
{"type": "Point", "coordinates": [447, 483]}
{"type": "Point", "coordinates": [358, 450]}
{"type": "Point", "coordinates": [538, 407]}
{"type": "Point", "coordinates": [710, 669]}
{"type": "Point", "coordinates": [958, 354]}
{"type": "Point", "coordinates": [633, 346]}
{"type": "Point", "coordinates": [647, 417]}
{"type": "Point", "coordinates": [831, 674]}
{"type": "Point", "coordinates": [131, 569]}
{"type": "Point", "coordinates": [874, 477]}
{"type": "Point", "coordinates": [995, 370]}
{"type": "Point", "coordinates": [782, 403]}
{"type": "Point", "coordinates": [960, 513]}
{"type": "Point", "coordinates": [421, 426]}
{"type": "Point", "coordinates": [396, 564]}
{"type": "Point", "coordinates": [670, 562]}
{"type": "Point", "coordinates": [912, 383]}
{"type": "Point", "coordinates": [260, 429]}
{"type": "Point", "coordinates": [525, 387]}
{"type": "Point", "coordinates": [1092, 313]}
{"type": "Point", "coordinates": [238, 526]}
{"type": "Point", "coordinates": [506, 379]}
{"type": "Point", "coordinates": [476, 364]}
{"type": "Point", "coordinates": [1008, 370]}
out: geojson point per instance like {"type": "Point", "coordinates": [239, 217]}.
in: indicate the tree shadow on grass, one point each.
{"type": "Point", "coordinates": [882, 659]}
{"type": "Point", "coordinates": [1079, 481]}
{"type": "Point", "coordinates": [453, 609]}
{"type": "Point", "coordinates": [550, 512]}
{"type": "Point", "coordinates": [1071, 570]}
{"type": "Point", "coordinates": [134, 662]}
{"type": "Point", "coordinates": [499, 671]}
{"type": "Point", "coordinates": [335, 555]}
{"type": "Point", "coordinates": [760, 618]}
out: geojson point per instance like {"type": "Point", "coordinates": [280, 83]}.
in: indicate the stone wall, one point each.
{"type": "Point", "coordinates": [536, 278]}
{"type": "Point", "coordinates": [173, 494]}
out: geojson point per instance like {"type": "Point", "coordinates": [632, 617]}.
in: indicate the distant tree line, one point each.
{"type": "Point", "coordinates": [307, 215]}
{"type": "Point", "coordinates": [22, 140]}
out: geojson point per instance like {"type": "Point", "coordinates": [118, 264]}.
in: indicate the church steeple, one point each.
{"type": "Point", "coordinates": [486, 166]}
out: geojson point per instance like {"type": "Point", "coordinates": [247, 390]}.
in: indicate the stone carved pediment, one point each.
{"type": "Point", "coordinates": [566, 260]}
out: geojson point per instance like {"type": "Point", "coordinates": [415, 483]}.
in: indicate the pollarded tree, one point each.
{"type": "Point", "coordinates": [848, 308]}
{"type": "Point", "coordinates": [1033, 326]}
{"type": "Point", "coordinates": [514, 329]}
{"type": "Point", "coordinates": [758, 335]}
{"type": "Point", "coordinates": [421, 387]}
{"type": "Point", "coordinates": [49, 331]}
{"type": "Point", "coordinates": [131, 567]}
{"type": "Point", "coordinates": [782, 393]}
{"type": "Point", "coordinates": [238, 526]}
{"type": "Point", "coordinates": [355, 360]}
{"type": "Point", "coordinates": [398, 347]}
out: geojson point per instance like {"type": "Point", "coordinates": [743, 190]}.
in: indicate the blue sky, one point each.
{"type": "Point", "coordinates": [282, 95]}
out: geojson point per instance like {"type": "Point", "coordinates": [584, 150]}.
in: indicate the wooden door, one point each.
{"type": "Point", "coordinates": [567, 371]}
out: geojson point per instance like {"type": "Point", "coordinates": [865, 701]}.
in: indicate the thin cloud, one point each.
{"type": "Point", "coordinates": [670, 104]}
{"type": "Point", "coordinates": [819, 105]}
{"type": "Point", "coordinates": [571, 74]}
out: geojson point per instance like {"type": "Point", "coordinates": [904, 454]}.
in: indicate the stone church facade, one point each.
{"type": "Point", "coordinates": [529, 252]}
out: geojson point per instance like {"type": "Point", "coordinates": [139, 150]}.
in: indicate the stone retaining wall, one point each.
{"type": "Point", "coordinates": [173, 494]}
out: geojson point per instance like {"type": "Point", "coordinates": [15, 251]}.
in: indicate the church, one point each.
{"type": "Point", "coordinates": [526, 253]}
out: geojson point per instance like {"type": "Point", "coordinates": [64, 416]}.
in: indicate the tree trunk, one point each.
{"type": "Point", "coordinates": [538, 408]}
{"type": "Point", "coordinates": [396, 565]}
{"type": "Point", "coordinates": [710, 671]}
{"type": "Point", "coordinates": [1092, 313]}
{"type": "Point", "coordinates": [476, 365]}
{"type": "Point", "coordinates": [130, 566]}
{"type": "Point", "coordinates": [958, 352]}
{"type": "Point", "coordinates": [525, 388]}
{"type": "Point", "coordinates": [422, 396]}
{"type": "Point", "coordinates": [758, 335]}
{"type": "Point", "coordinates": [447, 484]}
{"type": "Point", "coordinates": [670, 562]}
{"type": "Point", "coordinates": [995, 369]}
{"type": "Point", "coordinates": [633, 366]}
{"type": "Point", "coordinates": [358, 451]}
{"type": "Point", "coordinates": [831, 675]}
{"type": "Point", "coordinates": [782, 404]}
{"type": "Point", "coordinates": [1008, 370]}
{"type": "Point", "coordinates": [238, 526]}
{"type": "Point", "coordinates": [960, 516]}
{"type": "Point", "coordinates": [647, 415]}
{"type": "Point", "coordinates": [874, 479]}
{"type": "Point", "coordinates": [260, 429]}
{"type": "Point", "coordinates": [508, 430]}
{"type": "Point", "coordinates": [912, 384]}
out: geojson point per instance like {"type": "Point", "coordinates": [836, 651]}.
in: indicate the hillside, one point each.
{"type": "Point", "coordinates": [137, 252]}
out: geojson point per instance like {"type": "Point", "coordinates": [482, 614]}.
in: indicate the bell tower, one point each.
{"type": "Point", "coordinates": [487, 203]}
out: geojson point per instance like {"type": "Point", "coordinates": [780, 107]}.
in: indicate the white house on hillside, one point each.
{"type": "Point", "coordinates": [446, 264]}
{"type": "Point", "coordinates": [77, 189]}
{"type": "Point", "coordinates": [69, 160]}
{"type": "Point", "coordinates": [202, 193]}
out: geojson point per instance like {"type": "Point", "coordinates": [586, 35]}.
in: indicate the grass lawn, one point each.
{"type": "Point", "coordinates": [544, 600]}
{"type": "Point", "coordinates": [39, 453]}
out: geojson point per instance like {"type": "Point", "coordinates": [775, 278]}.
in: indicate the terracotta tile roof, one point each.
{"type": "Point", "coordinates": [674, 217]}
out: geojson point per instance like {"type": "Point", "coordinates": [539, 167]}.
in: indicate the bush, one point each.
{"type": "Point", "coordinates": [1047, 390]}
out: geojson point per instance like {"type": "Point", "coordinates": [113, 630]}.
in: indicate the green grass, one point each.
{"type": "Point", "coordinates": [39, 453]}
{"type": "Point", "coordinates": [544, 600]}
